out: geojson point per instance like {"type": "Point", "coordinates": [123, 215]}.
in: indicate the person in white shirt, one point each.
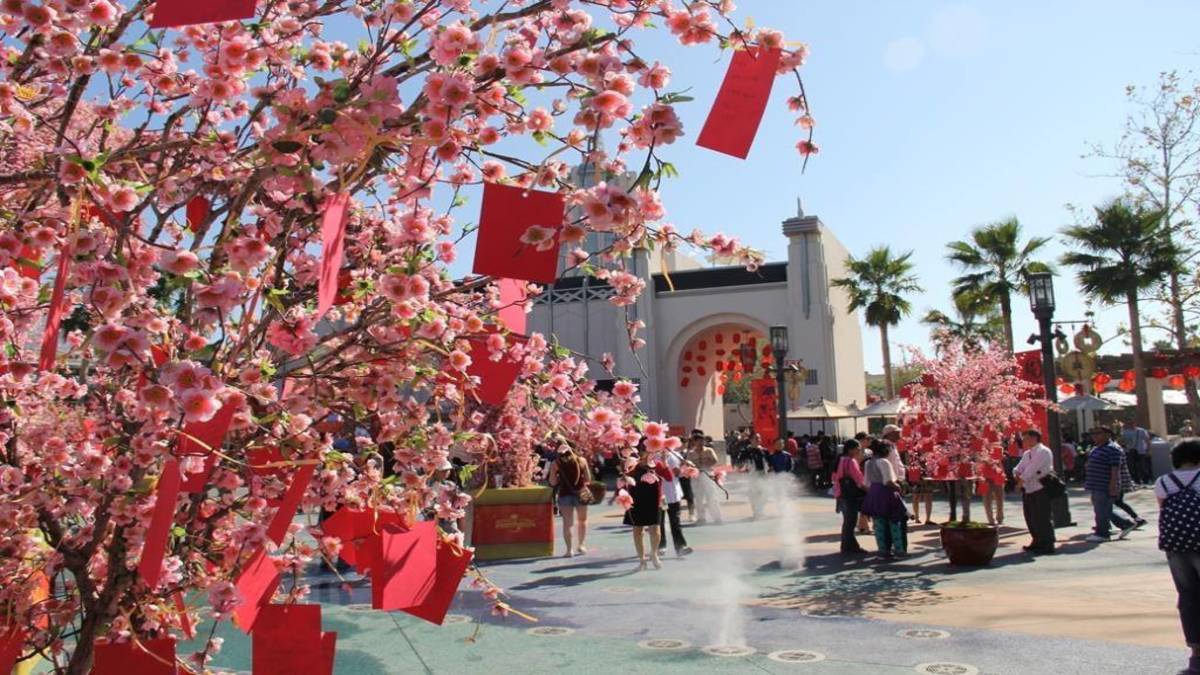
{"type": "Point", "coordinates": [672, 492]}
{"type": "Point", "coordinates": [1036, 463]}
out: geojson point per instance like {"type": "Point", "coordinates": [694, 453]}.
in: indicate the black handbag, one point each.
{"type": "Point", "coordinates": [1053, 486]}
{"type": "Point", "coordinates": [850, 489]}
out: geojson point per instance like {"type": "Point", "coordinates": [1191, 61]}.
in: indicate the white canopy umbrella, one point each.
{"type": "Point", "coordinates": [890, 408]}
{"type": "Point", "coordinates": [1084, 407]}
{"type": "Point", "coordinates": [1170, 397]}
{"type": "Point", "coordinates": [821, 409]}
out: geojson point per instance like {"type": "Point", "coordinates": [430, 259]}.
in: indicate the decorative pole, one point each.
{"type": "Point", "coordinates": [1041, 301]}
{"type": "Point", "coordinates": [779, 349]}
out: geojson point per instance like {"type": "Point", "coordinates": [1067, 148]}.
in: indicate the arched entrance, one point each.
{"type": "Point", "coordinates": [705, 360]}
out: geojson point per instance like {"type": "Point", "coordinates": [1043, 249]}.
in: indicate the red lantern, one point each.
{"type": "Point", "coordinates": [687, 356]}
{"type": "Point", "coordinates": [701, 358]}
{"type": "Point", "coordinates": [766, 350]}
{"type": "Point", "coordinates": [1176, 381]}
{"type": "Point", "coordinates": [1127, 386]}
{"type": "Point", "coordinates": [737, 338]}
{"type": "Point", "coordinates": [737, 377]}
{"type": "Point", "coordinates": [703, 345]}
{"type": "Point", "coordinates": [720, 390]}
{"type": "Point", "coordinates": [701, 371]}
{"type": "Point", "coordinates": [687, 369]}
{"type": "Point", "coordinates": [719, 338]}
{"type": "Point", "coordinates": [1158, 373]}
{"type": "Point", "coordinates": [1067, 389]}
{"type": "Point", "coordinates": [1129, 376]}
{"type": "Point", "coordinates": [719, 366]}
{"type": "Point", "coordinates": [1101, 380]}
{"type": "Point", "coordinates": [685, 382]}
{"type": "Point", "coordinates": [719, 352]}
{"type": "Point", "coordinates": [1191, 372]}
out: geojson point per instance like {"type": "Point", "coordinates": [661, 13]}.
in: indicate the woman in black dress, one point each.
{"type": "Point", "coordinates": [644, 514]}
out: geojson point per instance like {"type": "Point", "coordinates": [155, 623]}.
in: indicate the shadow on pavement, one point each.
{"type": "Point", "coordinates": [569, 580]}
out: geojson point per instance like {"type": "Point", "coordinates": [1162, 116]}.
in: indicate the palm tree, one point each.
{"type": "Point", "coordinates": [996, 264]}
{"type": "Point", "coordinates": [878, 283]}
{"type": "Point", "coordinates": [977, 321]}
{"type": "Point", "coordinates": [1124, 252]}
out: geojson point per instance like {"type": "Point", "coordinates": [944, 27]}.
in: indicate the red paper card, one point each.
{"type": "Point", "coordinates": [495, 377]}
{"type": "Point", "coordinates": [57, 310]}
{"type": "Point", "coordinates": [512, 304]}
{"type": "Point", "coordinates": [452, 564]}
{"type": "Point", "coordinates": [166, 495]}
{"type": "Point", "coordinates": [197, 210]}
{"type": "Point", "coordinates": [408, 560]}
{"type": "Point", "coordinates": [287, 640]}
{"type": "Point", "coordinates": [360, 532]}
{"type": "Point", "coordinates": [12, 641]}
{"type": "Point", "coordinates": [738, 109]}
{"type": "Point", "coordinates": [201, 438]}
{"type": "Point", "coordinates": [172, 13]}
{"type": "Point", "coordinates": [260, 459]}
{"type": "Point", "coordinates": [506, 215]}
{"type": "Point", "coordinates": [144, 657]}
{"type": "Point", "coordinates": [333, 243]}
{"type": "Point", "coordinates": [256, 584]}
{"type": "Point", "coordinates": [28, 265]}
{"type": "Point", "coordinates": [328, 652]}
{"type": "Point", "coordinates": [291, 501]}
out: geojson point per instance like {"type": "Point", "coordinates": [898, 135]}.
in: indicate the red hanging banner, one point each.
{"type": "Point", "coordinates": [333, 249]}
{"type": "Point", "coordinates": [765, 408]}
{"type": "Point", "coordinates": [57, 310]}
{"type": "Point", "coordinates": [155, 546]}
{"type": "Point", "coordinates": [738, 109]}
{"type": "Point", "coordinates": [173, 13]}
{"type": "Point", "coordinates": [256, 584]}
{"type": "Point", "coordinates": [291, 501]}
{"type": "Point", "coordinates": [507, 246]}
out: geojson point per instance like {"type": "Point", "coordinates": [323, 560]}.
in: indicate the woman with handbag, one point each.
{"type": "Point", "coordinates": [571, 478]}
{"type": "Point", "coordinates": [884, 503]}
{"type": "Point", "coordinates": [849, 487]}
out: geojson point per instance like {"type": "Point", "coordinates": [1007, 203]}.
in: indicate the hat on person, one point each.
{"type": "Point", "coordinates": [1102, 429]}
{"type": "Point", "coordinates": [890, 429]}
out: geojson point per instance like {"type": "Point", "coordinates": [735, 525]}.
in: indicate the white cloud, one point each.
{"type": "Point", "coordinates": [903, 54]}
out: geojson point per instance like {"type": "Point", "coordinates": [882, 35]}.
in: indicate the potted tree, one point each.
{"type": "Point", "coordinates": [969, 398]}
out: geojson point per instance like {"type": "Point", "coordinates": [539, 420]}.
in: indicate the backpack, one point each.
{"type": "Point", "coordinates": [1179, 519]}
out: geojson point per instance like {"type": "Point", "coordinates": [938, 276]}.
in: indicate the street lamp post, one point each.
{"type": "Point", "coordinates": [1041, 301]}
{"type": "Point", "coordinates": [779, 349]}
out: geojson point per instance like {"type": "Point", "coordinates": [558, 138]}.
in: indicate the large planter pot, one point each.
{"type": "Point", "coordinates": [970, 546]}
{"type": "Point", "coordinates": [513, 523]}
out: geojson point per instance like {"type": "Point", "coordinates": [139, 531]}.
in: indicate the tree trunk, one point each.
{"type": "Point", "coordinates": [1006, 316]}
{"type": "Point", "coordinates": [889, 384]}
{"type": "Point", "coordinates": [964, 489]}
{"type": "Point", "coordinates": [1142, 412]}
{"type": "Point", "coordinates": [1181, 343]}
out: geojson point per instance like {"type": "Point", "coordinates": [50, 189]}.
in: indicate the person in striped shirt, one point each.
{"type": "Point", "coordinates": [1104, 483]}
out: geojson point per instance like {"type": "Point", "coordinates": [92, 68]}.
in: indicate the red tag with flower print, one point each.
{"type": "Point", "coordinates": [518, 233]}
{"type": "Point", "coordinates": [738, 109]}
{"type": "Point", "coordinates": [173, 13]}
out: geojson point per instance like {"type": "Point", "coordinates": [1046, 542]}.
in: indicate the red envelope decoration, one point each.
{"type": "Point", "coordinates": [512, 305]}
{"type": "Point", "coordinates": [291, 501]}
{"type": "Point", "coordinates": [172, 13]}
{"type": "Point", "coordinates": [256, 584]}
{"type": "Point", "coordinates": [197, 210]}
{"type": "Point", "coordinates": [201, 438]}
{"type": "Point", "coordinates": [12, 640]}
{"type": "Point", "coordinates": [259, 459]}
{"type": "Point", "coordinates": [287, 640]}
{"type": "Point", "coordinates": [408, 560]}
{"type": "Point", "coordinates": [505, 218]}
{"type": "Point", "coordinates": [144, 657]}
{"type": "Point", "coordinates": [333, 243]}
{"type": "Point", "coordinates": [328, 651]}
{"type": "Point", "coordinates": [452, 564]}
{"type": "Point", "coordinates": [738, 109]}
{"type": "Point", "coordinates": [360, 532]}
{"type": "Point", "coordinates": [57, 309]}
{"type": "Point", "coordinates": [495, 377]}
{"type": "Point", "coordinates": [27, 265]}
{"type": "Point", "coordinates": [155, 547]}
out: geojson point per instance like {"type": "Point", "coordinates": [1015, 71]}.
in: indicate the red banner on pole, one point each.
{"type": "Point", "coordinates": [765, 406]}
{"type": "Point", "coordinates": [1029, 368]}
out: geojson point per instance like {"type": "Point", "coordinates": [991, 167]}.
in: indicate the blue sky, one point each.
{"type": "Point", "coordinates": [932, 117]}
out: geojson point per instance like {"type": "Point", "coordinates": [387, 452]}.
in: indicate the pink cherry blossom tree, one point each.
{"type": "Point", "coordinates": [969, 399]}
{"type": "Point", "coordinates": [170, 184]}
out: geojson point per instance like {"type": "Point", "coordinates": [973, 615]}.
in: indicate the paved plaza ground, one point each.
{"type": "Point", "coordinates": [1092, 609]}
